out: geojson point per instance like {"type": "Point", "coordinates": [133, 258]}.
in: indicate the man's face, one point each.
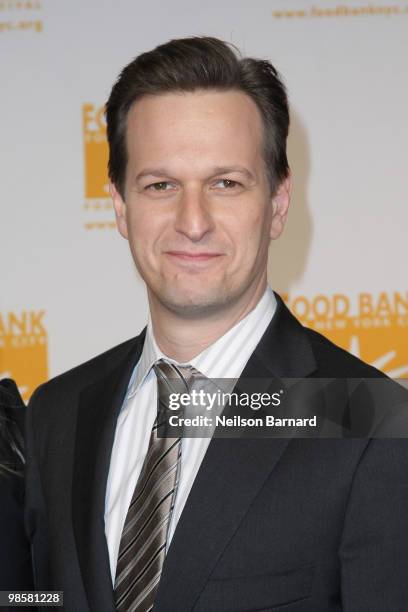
{"type": "Point", "coordinates": [197, 209]}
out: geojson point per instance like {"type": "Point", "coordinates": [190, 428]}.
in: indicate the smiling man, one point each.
{"type": "Point", "coordinates": [199, 211]}
{"type": "Point", "coordinates": [123, 519]}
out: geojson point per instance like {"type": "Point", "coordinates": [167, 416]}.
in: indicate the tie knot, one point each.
{"type": "Point", "coordinates": [173, 381]}
{"type": "Point", "coordinates": [169, 374]}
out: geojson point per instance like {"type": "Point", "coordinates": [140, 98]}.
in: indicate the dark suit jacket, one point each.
{"type": "Point", "coordinates": [15, 562]}
{"type": "Point", "coordinates": [270, 524]}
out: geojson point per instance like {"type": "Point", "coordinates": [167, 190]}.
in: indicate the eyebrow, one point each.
{"type": "Point", "coordinates": [160, 172]}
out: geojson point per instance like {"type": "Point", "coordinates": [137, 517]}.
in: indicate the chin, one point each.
{"type": "Point", "coordinates": [192, 306]}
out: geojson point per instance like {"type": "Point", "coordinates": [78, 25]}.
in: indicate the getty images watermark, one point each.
{"type": "Point", "coordinates": [303, 407]}
{"type": "Point", "coordinates": [211, 401]}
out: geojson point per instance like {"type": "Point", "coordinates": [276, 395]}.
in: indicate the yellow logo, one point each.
{"type": "Point", "coordinates": [372, 327]}
{"type": "Point", "coordinates": [23, 349]}
{"type": "Point", "coordinates": [97, 205]}
{"type": "Point", "coordinates": [20, 16]}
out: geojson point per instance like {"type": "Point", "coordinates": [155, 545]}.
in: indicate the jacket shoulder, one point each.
{"type": "Point", "coordinates": [11, 425]}
{"type": "Point", "coordinates": [333, 360]}
{"type": "Point", "coordinates": [71, 382]}
{"type": "Point", "coordinates": [9, 394]}
{"type": "Point", "coordinates": [294, 342]}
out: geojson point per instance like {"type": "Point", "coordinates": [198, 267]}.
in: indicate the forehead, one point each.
{"type": "Point", "coordinates": [208, 126]}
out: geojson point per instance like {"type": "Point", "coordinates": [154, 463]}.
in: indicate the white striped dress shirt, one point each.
{"type": "Point", "coordinates": [225, 358]}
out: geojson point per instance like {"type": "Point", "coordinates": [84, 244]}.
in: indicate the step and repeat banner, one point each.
{"type": "Point", "coordinates": [68, 285]}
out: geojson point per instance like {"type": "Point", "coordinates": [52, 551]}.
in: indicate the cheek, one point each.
{"type": "Point", "coordinates": [145, 230]}
{"type": "Point", "coordinates": [248, 231]}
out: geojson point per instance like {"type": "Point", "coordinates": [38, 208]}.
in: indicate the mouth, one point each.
{"type": "Point", "coordinates": [193, 262]}
{"type": "Point", "coordinates": [193, 257]}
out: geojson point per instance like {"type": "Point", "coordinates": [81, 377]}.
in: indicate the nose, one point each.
{"type": "Point", "coordinates": [193, 218]}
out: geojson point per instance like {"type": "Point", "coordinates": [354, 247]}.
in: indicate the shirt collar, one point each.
{"type": "Point", "coordinates": [209, 362]}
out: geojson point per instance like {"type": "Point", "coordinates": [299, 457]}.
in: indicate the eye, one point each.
{"type": "Point", "coordinates": [227, 183]}
{"type": "Point", "coordinates": [160, 186]}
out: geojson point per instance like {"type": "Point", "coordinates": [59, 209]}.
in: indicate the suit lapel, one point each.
{"type": "Point", "coordinates": [231, 475]}
{"type": "Point", "coordinates": [99, 406]}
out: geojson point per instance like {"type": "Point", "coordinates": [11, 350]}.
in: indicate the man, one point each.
{"type": "Point", "coordinates": [200, 184]}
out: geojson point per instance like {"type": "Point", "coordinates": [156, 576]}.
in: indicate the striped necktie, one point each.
{"type": "Point", "coordinates": [143, 542]}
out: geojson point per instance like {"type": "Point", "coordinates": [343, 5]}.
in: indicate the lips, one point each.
{"type": "Point", "coordinates": [192, 257]}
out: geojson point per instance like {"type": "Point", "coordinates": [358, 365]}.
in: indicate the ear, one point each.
{"type": "Point", "coordinates": [120, 210]}
{"type": "Point", "coordinates": [280, 207]}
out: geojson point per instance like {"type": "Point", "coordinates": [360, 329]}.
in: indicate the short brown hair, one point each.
{"type": "Point", "coordinates": [188, 64]}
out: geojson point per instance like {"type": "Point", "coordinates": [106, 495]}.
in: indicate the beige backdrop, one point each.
{"type": "Point", "coordinates": [69, 289]}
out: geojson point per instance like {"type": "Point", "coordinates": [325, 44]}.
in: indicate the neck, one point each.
{"type": "Point", "coordinates": [183, 339]}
